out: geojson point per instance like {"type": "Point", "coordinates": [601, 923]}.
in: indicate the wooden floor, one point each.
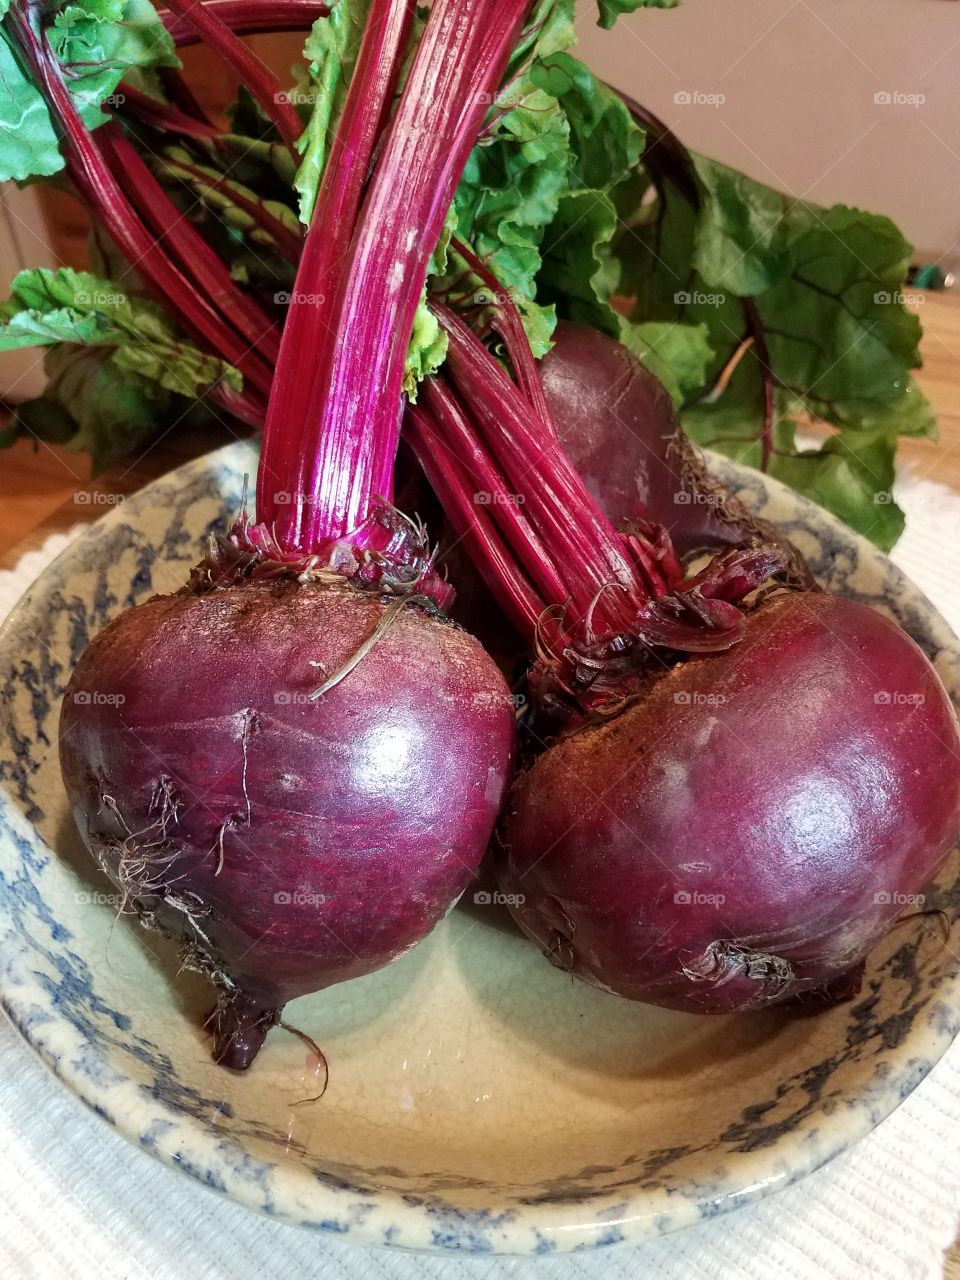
{"type": "Point", "coordinates": [45, 490]}
{"type": "Point", "coordinates": [34, 480]}
{"type": "Point", "coordinates": [940, 379]}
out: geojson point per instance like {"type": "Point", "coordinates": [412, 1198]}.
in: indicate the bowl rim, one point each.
{"type": "Point", "coordinates": [386, 1215]}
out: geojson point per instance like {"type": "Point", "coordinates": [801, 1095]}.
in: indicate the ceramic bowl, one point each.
{"type": "Point", "coordinates": [479, 1100]}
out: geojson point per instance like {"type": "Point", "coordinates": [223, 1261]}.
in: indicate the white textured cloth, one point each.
{"type": "Point", "coordinates": [78, 1203]}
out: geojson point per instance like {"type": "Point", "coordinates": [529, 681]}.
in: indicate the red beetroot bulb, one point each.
{"type": "Point", "coordinates": [297, 760]}
{"type": "Point", "coordinates": [288, 842]}
{"type": "Point", "coordinates": [619, 428]}
{"type": "Point", "coordinates": [750, 827]}
{"type": "Point", "coordinates": [735, 787]}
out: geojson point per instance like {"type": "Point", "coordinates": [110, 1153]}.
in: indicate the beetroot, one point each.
{"type": "Point", "coordinates": [290, 843]}
{"type": "Point", "coordinates": [751, 827]}
{"type": "Point", "coordinates": [733, 792]}
{"type": "Point", "coordinates": [618, 426]}
{"type": "Point", "coordinates": [296, 761]}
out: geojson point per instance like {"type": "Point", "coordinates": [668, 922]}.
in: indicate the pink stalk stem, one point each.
{"type": "Point", "coordinates": [496, 565]}
{"type": "Point", "coordinates": [91, 174]}
{"type": "Point", "coordinates": [251, 70]}
{"type": "Point", "coordinates": [309, 327]}
{"type": "Point", "coordinates": [238, 406]}
{"type": "Point", "coordinates": [509, 325]}
{"type": "Point", "coordinates": [181, 95]}
{"type": "Point", "coordinates": [586, 550]}
{"type": "Point", "coordinates": [195, 256]}
{"type": "Point", "coordinates": [506, 508]}
{"type": "Point", "coordinates": [247, 18]}
{"type": "Point", "coordinates": [458, 63]}
{"type": "Point", "coordinates": [160, 115]}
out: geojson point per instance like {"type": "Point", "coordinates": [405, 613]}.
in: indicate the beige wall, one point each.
{"type": "Point", "coordinates": [799, 78]}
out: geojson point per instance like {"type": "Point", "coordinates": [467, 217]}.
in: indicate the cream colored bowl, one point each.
{"type": "Point", "coordinates": [479, 1100]}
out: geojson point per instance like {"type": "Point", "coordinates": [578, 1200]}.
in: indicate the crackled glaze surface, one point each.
{"type": "Point", "coordinates": [479, 1100]}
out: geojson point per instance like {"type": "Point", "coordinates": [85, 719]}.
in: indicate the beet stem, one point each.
{"type": "Point", "coordinates": [246, 18]}
{"type": "Point", "coordinates": [613, 591]}
{"type": "Point", "coordinates": [88, 169]}
{"type": "Point", "coordinates": [250, 69]}
{"type": "Point", "coordinates": [195, 255]}
{"type": "Point", "coordinates": [498, 568]}
{"type": "Point", "coordinates": [309, 324]}
{"type": "Point", "coordinates": [341, 474]}
{"type": "Point", "coordinates": [161, 115]}
{"type": "Point", "coordinates": [452, 418]}
{"type": "Point", "coordinates": [768, 379]}
{"type": "Point", "coordinates": [180, 94]}
{"type": "Point", "coordinates": [510, 327]}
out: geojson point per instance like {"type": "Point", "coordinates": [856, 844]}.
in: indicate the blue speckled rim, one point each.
{"type": "Point", "coordinates": [769, 1156]}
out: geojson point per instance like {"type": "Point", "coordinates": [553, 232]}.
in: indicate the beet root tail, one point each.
{"type": "Point", "coordinates": [845, 986]}
{"type": "Point", "coordinates": [240, 1024]}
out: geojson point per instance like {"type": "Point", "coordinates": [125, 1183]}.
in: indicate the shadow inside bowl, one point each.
{"type": "Point", "coordinates": [606, 1035]}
